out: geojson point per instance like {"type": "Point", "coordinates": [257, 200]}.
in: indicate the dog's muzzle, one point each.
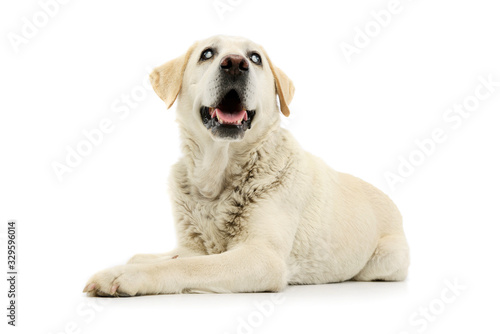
{"type": "Point", "coordinates": [229, 117]}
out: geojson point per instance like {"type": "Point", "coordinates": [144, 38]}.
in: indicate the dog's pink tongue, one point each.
{"type": "Point", "coordinates": [231, 117]}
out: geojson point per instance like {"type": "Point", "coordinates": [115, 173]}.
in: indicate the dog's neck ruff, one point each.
{"type": "Point", "coordinates": [214, 165]}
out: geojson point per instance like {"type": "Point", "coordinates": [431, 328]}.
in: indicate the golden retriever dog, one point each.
{"type": "Point", "coordinates": [253, 211]}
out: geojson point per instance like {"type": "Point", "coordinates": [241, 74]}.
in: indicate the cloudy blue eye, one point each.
{"type": "Point", "coordinates": [255, 58]}
{"type": "Point", "coordinates": [207, 54]}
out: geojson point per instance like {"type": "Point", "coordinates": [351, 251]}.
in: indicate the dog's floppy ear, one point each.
{"type": "Point", "coordinates": [167, 78]}
{"type": "Point", "coordinates": [284, 87]}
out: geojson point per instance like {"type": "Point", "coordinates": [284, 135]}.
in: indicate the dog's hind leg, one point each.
{"type": "Point", "coordinates": [389, 261]}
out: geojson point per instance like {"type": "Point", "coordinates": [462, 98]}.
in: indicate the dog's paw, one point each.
{"type": "Point", "coordinates": [126, 280]}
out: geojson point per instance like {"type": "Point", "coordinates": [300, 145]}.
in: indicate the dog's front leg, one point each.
{"type": "Point", "coordinates": [173, 254]}
{"type": "Point", "coordinates": [247, 268]}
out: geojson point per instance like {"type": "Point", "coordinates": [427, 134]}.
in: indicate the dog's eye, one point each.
{"type": "Point", "coordinates": [255, 57]}
{"type": "Point", "coordinates": [207, 54]}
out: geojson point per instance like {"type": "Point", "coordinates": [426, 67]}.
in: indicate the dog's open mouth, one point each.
{"type": "Point", "coordinates": [229, 117]}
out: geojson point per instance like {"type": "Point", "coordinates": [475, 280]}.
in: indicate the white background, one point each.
{"type": "Point", "coordinates": [359, 116]}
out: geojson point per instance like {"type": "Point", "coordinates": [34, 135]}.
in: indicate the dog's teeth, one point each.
{"type": "Point", "coordinates": [243, 118]}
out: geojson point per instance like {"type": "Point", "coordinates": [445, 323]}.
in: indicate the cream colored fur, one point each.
{"type": "Point", "coordinates": [258, 213]}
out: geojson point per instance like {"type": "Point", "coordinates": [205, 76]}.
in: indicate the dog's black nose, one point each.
{"type": "Point", "coordinates": [234, 64]}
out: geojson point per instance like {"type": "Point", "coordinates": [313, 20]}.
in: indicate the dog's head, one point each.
{"type": "Point", "coordinates": [225, 86]}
